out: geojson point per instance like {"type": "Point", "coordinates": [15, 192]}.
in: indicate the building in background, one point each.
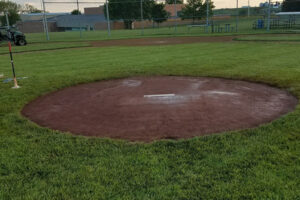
{"type": "Point", "coordinates": [92, 19]}
{"type": "Point", "coordinates": [94, 10]}
{"type": "Point", "coordinates": [174, 10]}
{"type": "Point", "coordinates": [33, 22]}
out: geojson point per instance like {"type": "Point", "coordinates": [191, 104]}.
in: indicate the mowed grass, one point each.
{"type": "Point", "coordinates": [272, 38]}
{"type": "Point", "coordinates": [260, 163]}
{"type": "Point", "coordinates": [42, 46]}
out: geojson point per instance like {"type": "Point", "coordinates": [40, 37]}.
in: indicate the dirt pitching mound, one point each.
{"type": "Point", "coordinates": [154, 108]}
{"type": "Point", "coordinates": [161, 41]}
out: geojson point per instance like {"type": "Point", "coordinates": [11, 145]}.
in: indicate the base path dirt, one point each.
{"type": "Point", "coordinates": [154, 108]}
{"type": "Point", "coordinates": [161, 41]}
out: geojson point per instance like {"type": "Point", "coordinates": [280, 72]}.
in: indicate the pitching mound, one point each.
{"type": "Point", "coordinates": [146, 109]}
{"type": "Point", "coordinates": [162, 41]}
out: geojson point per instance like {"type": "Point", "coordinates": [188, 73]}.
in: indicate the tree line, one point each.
{"type": "Point", "coordinates": [130, 10]}
{"type": "Point", "coordinates": [14, 10]}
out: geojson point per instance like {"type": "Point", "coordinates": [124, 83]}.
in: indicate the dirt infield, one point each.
{"type": "Point", "coordinates": [161, 41]}
{"type": "Point", "coordinates": [153, 108]}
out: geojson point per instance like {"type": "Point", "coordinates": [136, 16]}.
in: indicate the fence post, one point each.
{"type": "Point", "coordinates": [237, 16]}
{"type": "Point", "coordinates": [269, 16]}
{"type": "Point", "coordinates": [45, 21]}
{"type": "Point", "coordinates": [142, 18]}
{"type": "Point", "coordinates": [107, 17]}
{"type": "Point", "coordinates": [248, 8]}
{"type": "Point", "coordinates": [175, 10]}
{"type": "Point", "coordinates": [78, 18]}
{"type": "Point", "coordinates": [207, 15]}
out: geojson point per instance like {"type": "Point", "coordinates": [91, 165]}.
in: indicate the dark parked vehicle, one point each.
{"type": "Point", "coordinates": [12, 34]}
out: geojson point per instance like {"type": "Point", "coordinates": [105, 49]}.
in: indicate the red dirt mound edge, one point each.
{"type": "Point", "coordinates": [154, 108]}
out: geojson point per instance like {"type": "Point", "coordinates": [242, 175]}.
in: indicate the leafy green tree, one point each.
{"type": "Point", "coordinates": [76, 12]}
{"type": "Point", "coordinates": [13, 9]}
{"type": "Point", "coordinates": [129, 11]}
{"type": "Point", "coordinates": [196, 9]}
{"type": "Point", "coordinates": [291, 6]}
{"type": "Point", "coordinates": [30, 9]}
{"type": "Point", "coordinates": [159, 14]}
{"type": "Point", "coordinates": [173, 1]}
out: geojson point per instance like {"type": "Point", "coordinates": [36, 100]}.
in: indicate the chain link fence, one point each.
{"type": "Point", "coordinates": [139, 18]}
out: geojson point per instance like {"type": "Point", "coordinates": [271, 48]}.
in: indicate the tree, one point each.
{"type": "Point", "coordinates": [129, 11]}
{"type": "Point", "coordinates": [13, 10]}
{"type": "Point", "coordinates": [291, 6]}
{"type": "Point", "coordinates": [173, 1]}
{"type": "Point", "coordinates": [196, 9]}
{"type": "Point", "coordinates": [159, 14]}
{"type": "Point", "coordinates": [30, 9]}
{"type": "Point", "coordinates": [76, 12]}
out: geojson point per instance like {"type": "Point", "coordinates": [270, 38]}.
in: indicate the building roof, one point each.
{"type": "Point", "coordinates": [39, 16]}
{"type": "Point", "coordinates": [76, 21]}
{"type": "Point", "coordinates": [288, 13]}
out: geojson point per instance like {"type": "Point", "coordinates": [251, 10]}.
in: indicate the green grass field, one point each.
{"type": "Point", "coordinates": [43, 47]}
{"type": "Point", "coordinates": [272, 38]}
{"type": "Point", "coordinates": [39, 163]}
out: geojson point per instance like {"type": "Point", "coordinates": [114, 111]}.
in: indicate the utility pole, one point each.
{"type": "Point", "coordinates": [45, 20]}
{"type": "Point", "coordinates": [108, 20]}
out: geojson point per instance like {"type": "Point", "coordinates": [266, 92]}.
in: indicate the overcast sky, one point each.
{"type": "Point", "coordinates": [69, 7]}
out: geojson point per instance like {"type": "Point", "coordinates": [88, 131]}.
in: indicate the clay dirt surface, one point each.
{"type": "Point", "coordinates": [154, 108]}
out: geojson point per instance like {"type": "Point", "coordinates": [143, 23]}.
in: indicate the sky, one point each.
{"type": "Point", "coordinates": [70, 7]}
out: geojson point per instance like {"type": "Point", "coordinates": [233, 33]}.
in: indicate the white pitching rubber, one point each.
{"type": "Point", "coordinates": [159, 95]}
